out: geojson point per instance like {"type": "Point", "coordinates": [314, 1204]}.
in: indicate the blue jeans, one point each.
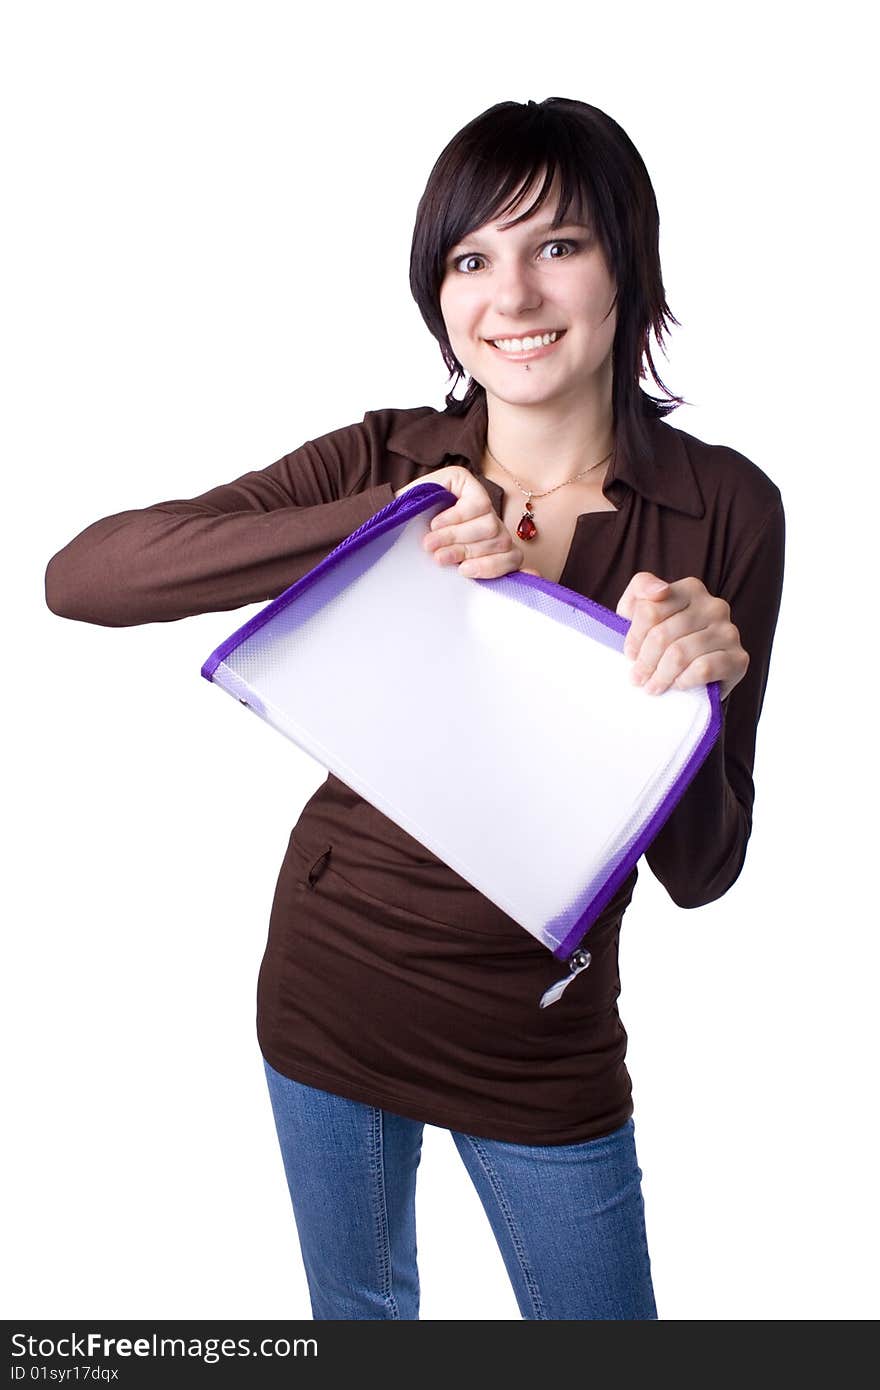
{"type": "Point", "coordinates": [569, 1219]}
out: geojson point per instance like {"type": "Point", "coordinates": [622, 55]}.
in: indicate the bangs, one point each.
{"type": "Point", "coordinates": [488, 190]}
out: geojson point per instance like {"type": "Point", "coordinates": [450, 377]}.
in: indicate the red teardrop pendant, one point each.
{"type": "Point", "coordinates": [526, 530]}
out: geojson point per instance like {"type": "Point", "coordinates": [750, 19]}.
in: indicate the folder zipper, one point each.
{"type": "Point", "coordinates": [577, 961]}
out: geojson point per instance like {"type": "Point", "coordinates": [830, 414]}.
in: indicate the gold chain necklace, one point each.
{"type": "Point", "coordinates": [527, 530]}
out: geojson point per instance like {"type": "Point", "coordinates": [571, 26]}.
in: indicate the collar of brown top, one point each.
{"type": "Point", "coordinates": [666, 477]}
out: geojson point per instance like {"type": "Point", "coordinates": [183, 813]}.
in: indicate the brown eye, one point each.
{"type": "Point", "coordinates": [570, 247]}
{"type": "Point", "coordinates": [470, 256]}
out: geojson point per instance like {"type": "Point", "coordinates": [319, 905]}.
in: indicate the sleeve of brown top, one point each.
{"type": "Point", "coordinates": [701, 849]}
{"type": "Point", "coordinates": [243, 542]}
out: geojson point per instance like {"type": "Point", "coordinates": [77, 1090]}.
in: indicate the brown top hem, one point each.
{"type": "Point", "coordinates": [416, 1107]}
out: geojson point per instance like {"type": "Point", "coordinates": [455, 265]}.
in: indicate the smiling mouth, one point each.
{"type": "Point", "coordinates": [527, 344]}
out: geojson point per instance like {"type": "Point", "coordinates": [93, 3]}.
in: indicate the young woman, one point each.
{"type": "Point", "coordinates": [391, 993]}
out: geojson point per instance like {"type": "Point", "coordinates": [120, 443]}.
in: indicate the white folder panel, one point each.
{"type": "Point", "coordinates": [493, 720]}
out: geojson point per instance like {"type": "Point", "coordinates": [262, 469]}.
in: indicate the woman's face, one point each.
{"type": "Point", "coordinates": [508, 284]}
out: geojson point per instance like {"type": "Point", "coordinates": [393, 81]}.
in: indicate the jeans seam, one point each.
{"type": "Point", "coordinates": [504, 1206]}
{"type": "Point", "coordinates": [381, 1209]}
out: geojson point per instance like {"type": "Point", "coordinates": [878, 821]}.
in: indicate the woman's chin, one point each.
{"type": "Point", "coordinates": [522, 392]}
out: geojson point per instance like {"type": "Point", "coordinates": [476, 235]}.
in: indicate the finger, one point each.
{"type": "Point", "coordinates": [489, 566]}
{"type": "Point", "coordinates": [464, 509]}
{"type": "Point", "coordinates": [649, 615]}
{"type": "Point", "coordinates": [476, 559]}
{"type": "Point", "coordinates": [490, 561]}
{"type": "Point", "coordinates": [476, 555]}
{"type": "Point", "coordinates": [473, 502]}
{"type": "Point", "coordinates": [726, 665]}
{"type": "Point", "coordinates": [477, 529]}
{"type": "Point", "coordinates": [451, 517]}
{"type": "Point", "coordinates": [649, 636]}
{"type": "Point", "coordinates": [690, 661]}
{"type": "Point", "coordinates": [678, 634]}
{"type": "Point", "coordinates": [642, 585]}
{"type": "Point", "coordinates": [498, 542]}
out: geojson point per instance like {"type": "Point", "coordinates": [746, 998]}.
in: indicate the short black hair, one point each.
{"type": "Point", "coordinates": [484, 171]}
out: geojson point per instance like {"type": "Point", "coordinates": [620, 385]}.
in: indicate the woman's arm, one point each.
{"type": "Point", "coordinates": [701, 849]}
{"type": "Point", "coordinates": [240, 543]}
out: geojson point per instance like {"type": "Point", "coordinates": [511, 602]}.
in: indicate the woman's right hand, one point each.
{"type": "Point", "coordinates": [470, 534]}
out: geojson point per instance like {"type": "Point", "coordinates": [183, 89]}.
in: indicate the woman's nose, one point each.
{"type": "Point", "coordinates": [515, 290]}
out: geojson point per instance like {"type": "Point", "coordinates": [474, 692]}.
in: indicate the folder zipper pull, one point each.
{"type": "Point", "coordinates": [577, 961]}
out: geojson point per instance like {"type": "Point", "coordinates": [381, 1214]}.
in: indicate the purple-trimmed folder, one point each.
{"type": "Point", "coordinates": [493, 720]}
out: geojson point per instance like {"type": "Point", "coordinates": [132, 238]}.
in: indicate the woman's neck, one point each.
{"type": "Point", "coordinates": [547, 444]}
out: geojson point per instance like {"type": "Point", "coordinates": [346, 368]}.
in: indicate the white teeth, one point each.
{"type": "Point", "coordinates": [523, 344]}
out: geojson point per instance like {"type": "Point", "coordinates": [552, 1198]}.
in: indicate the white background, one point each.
{"type": "Point", "coordinates": [206, 246]}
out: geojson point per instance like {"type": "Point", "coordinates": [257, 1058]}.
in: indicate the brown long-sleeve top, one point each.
{"type": "Point", "coordinates": [386, 977]}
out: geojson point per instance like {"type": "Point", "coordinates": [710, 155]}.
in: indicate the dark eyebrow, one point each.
{"type": "Point", "coordinates": [474, 238]}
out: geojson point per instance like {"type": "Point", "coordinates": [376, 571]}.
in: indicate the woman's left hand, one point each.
{"type": "Point", "coordinates": [680, 635]}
